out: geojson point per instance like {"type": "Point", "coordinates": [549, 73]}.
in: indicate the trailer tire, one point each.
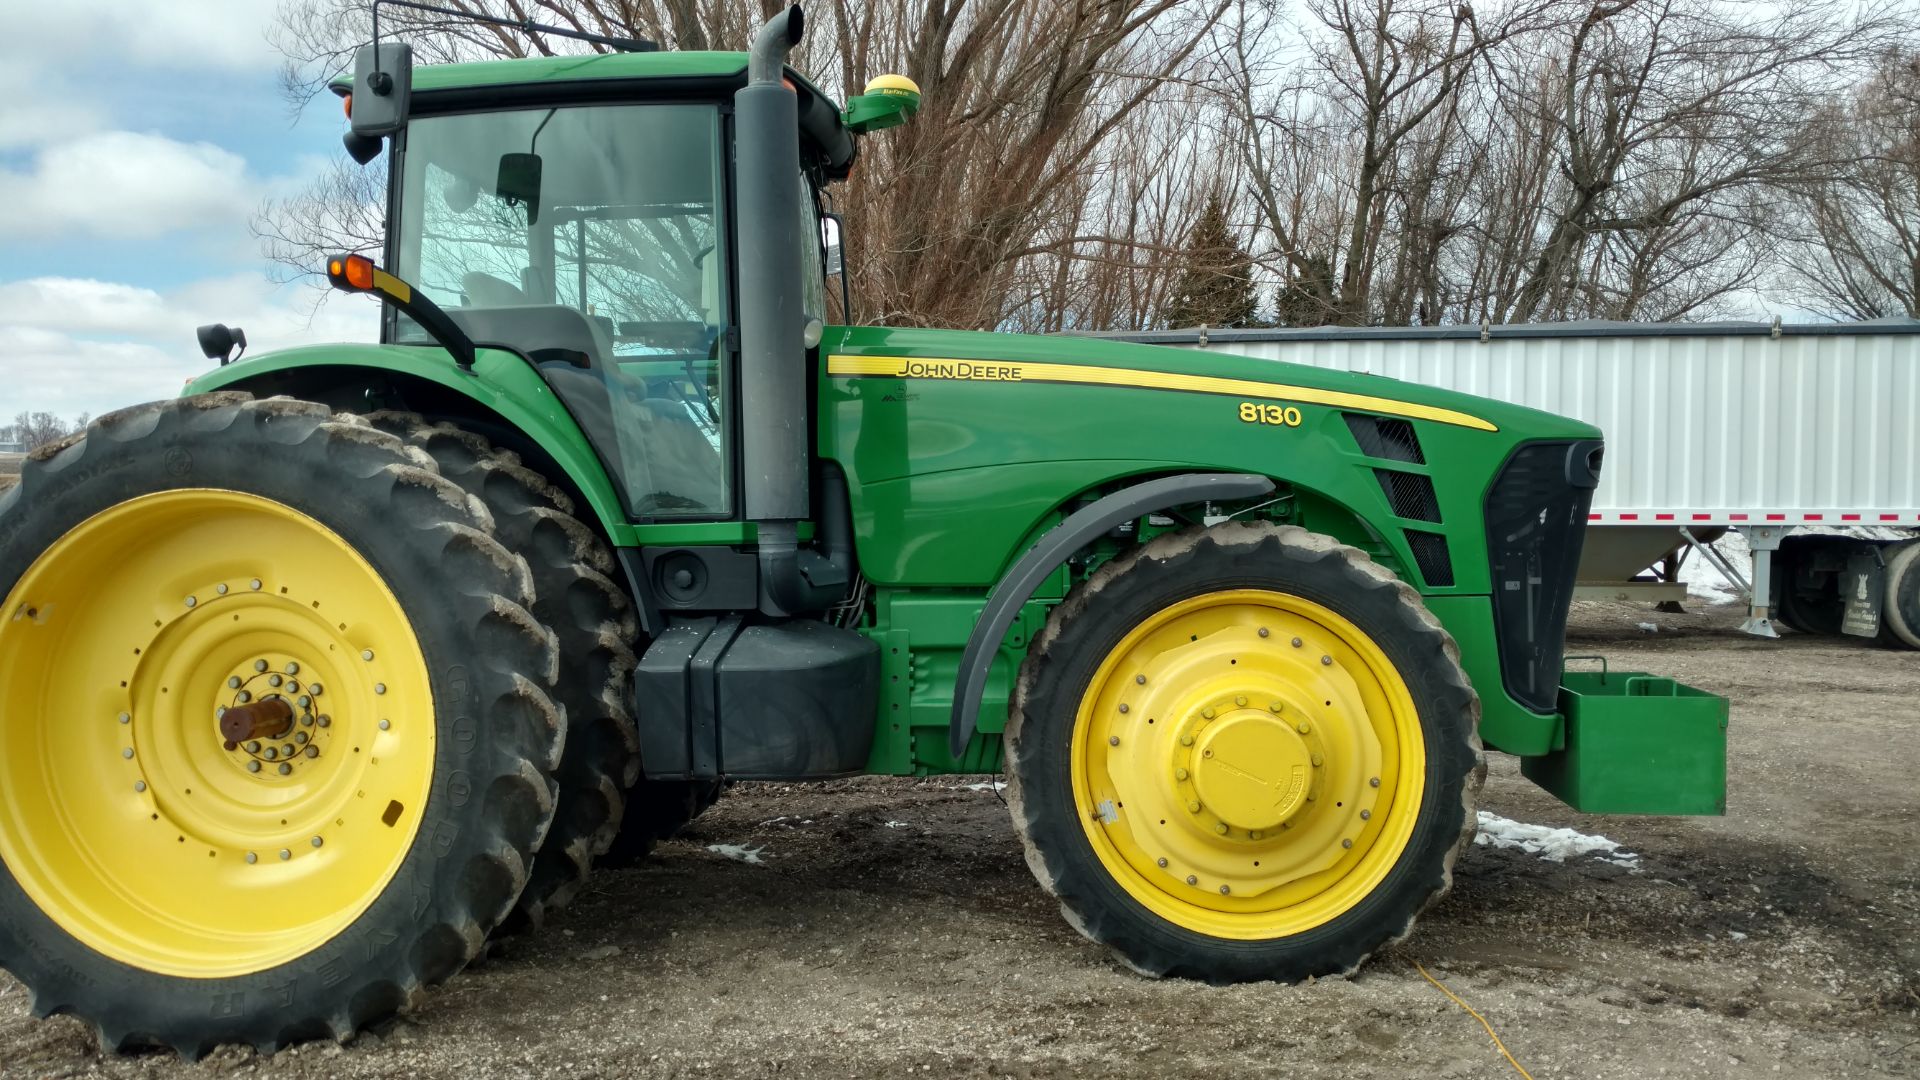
{"type": "Point", "coordinates": [574, 595]}
{"type": "Point", "coordinates": [1900, 611]}
{"type": "Point", "coordinates": [1203, 705]}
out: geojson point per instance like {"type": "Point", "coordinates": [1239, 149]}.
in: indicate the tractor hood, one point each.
{"type": "Point", "coordinates": [1090, 361]}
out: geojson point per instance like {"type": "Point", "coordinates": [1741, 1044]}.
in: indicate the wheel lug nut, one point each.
{"type": "Point", "coordinates": [252, 858]}
{"type": "Point", "coordinates": [1296, 643]}
{"type": "Point", "coordinates": [300, 736]}
{"type": "Point", "coordinates": [191, 601]}
{"type": "Point", "coordinates": [1313, 796]}
{"type": "Point", "coordinates": [313, 751]}
{"type": "Point", "coordinates": [1224, 890]}
{"type": "Point", "coordinates": [385, 724]}
{"type": "Point", "coordinates": [139, 785]}
{"type": "Point", "coordinates": [379, 688]}
{"type": "Point", "coordinates": [285, 854]}
{"type": "Point", "coordinates": [1366, 815]}
{"type": "Point", "coordinates": [306, 721]}
{"type": "Point", "coordinates": [1191, 880]}
{"type": "Point", "coordinates": [292, 687]}
{"type": "Point", "coordinates": [1221, 829]}
{"type": "Point", "coordinates": [125, 718]}
{"type": "Point", "coordinates": [1161, 862]}
{"type": "Point", "coordinates": [1124, 707]}
{"type": "Point", "coordinates": [1263, 631]}
{"type": "Point", "coordinates": [1303, 727]}
{"type": "Point", "coordinates": [127, 753]}
{"type": "Point", "coordinates": [1140, 680]}
{"type": "Point", "coordinates": [1374, 782]}
{"type": "Point", "coordinates": [286, 750]}
{"type": "Point", "coordinates": [271, 753]}
{"type": "Point", "coordinates": [1255, 834]}
{"type": "Point", "coordinates": [325, 721]}
{"type": "Point", "coordinates": [286, 770]}
{"type": "Point", "coordinates": [1193, 807]}
{"type": "Point", "coordinates": [253, 747]}
{"type": "Point", "coordinates": [1186, 740]}
{"type": "Point", "coordinates": [221, 589]}
{"type": "Point", "coordinates": [243, 697]}
{"type": "Point", "coordinates": [293, 668]}
{"type": "Point", "coordinates": [1346, 843]}
{"type": "Point", "coordinates": [1240, 700]}
{"type": "Point", "coordinates": [1318, 761]}
{"type": "Point", "coordinates": [274, 680]}
{"type": "Point", "coordinates": [233, 682]}
{"type": "Point", "coordinates": [314, 689]}
{"type": "Point", "coordinates": [366, 654]}
{"type": "Point", "coordinates": [1207, 712]}
{"type": "Point", "coordinates": [253, 766]}
{"type": "Point", "coordinates": [254, 584]}
{"type": "Point", "coordinates": [1326, 661]}
{"type": "Point", "coordinates": [259, 665]}
{"type": "Point", "coordinates": [1112, 740]}
{"type": "Point", "coordinates": [305, 701]}
{"type": "Point", "coordinates": [317, 841]}
{"type": "Point", "coordinates": [1179, 774]}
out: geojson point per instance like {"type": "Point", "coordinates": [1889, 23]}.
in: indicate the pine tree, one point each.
{"type": "Point", "coordinates": [1216, 280]}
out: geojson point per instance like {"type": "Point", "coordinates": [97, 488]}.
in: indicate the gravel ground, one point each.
{"type": "Point", "coordinates": [890, 928]}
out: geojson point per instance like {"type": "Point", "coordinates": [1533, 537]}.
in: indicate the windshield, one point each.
{"type": "Point", "coordinates": [589, 238]}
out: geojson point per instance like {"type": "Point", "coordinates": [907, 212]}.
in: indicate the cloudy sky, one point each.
{"type": "Point", "coordinates": [133, 151]}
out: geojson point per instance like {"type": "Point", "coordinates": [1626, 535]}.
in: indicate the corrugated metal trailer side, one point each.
{"type": "Point", "coordinates": [1755, 426]}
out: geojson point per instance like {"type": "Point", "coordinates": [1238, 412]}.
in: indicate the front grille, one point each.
{"type": "Point", "coordinates": [1536, 520]}
{"type": "Point", "coordinates": [1385, 438]}
{"type": "Point", "coordinates": [1409, 494]}
{"type": "Point", "coordinates": [1430, 555]}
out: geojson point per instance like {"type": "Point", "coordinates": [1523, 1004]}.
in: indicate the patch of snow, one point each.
{"type": "Point", "coordinates": [896, 824]}
{"type": "Point", "coordinates": [997, 785]}
{"type": "Point", "coordinates": [1551, 844]}
{"type": "Point", "coordinates": [1651, 628]}
{"type": "Point", "coordinates": [1735, 935]}
{"type": "Point", "coordinates": [738, 853]}
{"type": "Point", "coordinates": [1705, 582]}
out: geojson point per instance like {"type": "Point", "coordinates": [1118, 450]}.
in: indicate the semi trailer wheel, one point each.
{"type": "Point", "coordinates": [1243, 752]}
{"type": "Point", "coordinates": [275, 736]}
{"type": "Point", "coordinates": [575, 595]}
{"type": "Point", "coordinates": [1901, 610]}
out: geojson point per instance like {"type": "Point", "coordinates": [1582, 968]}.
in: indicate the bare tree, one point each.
{"type": "Point", "coordinates": [31, 429]}
{"type": "Point", "coordinates": [1854, 248]}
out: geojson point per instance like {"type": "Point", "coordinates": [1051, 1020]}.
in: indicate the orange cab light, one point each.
{"type": "Point", "coordinates": [359, 271]}
{"type": "Point", "coordinates": [346, 102]}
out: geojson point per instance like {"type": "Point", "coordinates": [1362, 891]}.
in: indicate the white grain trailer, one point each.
{"type": "Point", "coordinates": [1806, 439]}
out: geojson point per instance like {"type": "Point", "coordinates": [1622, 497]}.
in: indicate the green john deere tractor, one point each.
{"type": "Point", "coordinates": [316, 676]}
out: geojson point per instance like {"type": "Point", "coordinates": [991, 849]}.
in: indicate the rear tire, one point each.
{"type": "Point", "coordinates": [1182, 724]}
{"type": "Point", "coordinates": [659, 810]}
{"type": "Point", "coordinates": [575, 596]}
{"type": "Point", "coordinates": [178, 542]}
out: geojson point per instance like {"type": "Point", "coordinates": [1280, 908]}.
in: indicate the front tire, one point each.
{"type": "Point", "coordinates": [176, 885]}
{"type": "Point", "coordinates": [1243, 752]}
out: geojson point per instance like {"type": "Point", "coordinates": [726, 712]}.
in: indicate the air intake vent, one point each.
{"type": "Point", "coordinates": [1410, 495]}
{"type": "Point", "coordinates": [1430, 555]}
{"type": "Point", "coordinates": [1385, 438]}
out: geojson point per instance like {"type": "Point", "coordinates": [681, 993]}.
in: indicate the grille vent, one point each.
{"type": "Point", "coordinates": [1410, 495]}
{"type": "Point", "coordinates": [1430, 555]}
{"type": "Point", "coordinates": [1385, 438]}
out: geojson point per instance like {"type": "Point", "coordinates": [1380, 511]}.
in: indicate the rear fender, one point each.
{"type": "Point", "coordinates": [507, 398]}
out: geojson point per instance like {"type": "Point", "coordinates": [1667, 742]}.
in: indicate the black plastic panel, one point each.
{"type": "Point", "coordinates": [1409, 494]}
{"type": "Point", "coordinates": [1430, 555]}
{"type": "Point", "coordinates": [1536, 522]}
{"type": "Point", "coordinates": [1385, 438]}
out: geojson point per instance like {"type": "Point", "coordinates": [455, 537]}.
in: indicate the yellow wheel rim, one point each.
{"type": "Point", "coordinates": [127, 815]}
{"type": "Point", "coordinates": [1248, 764]}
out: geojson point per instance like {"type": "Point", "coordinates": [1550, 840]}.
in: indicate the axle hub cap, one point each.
{"type": "Point", "coordinates": [1252, 770]}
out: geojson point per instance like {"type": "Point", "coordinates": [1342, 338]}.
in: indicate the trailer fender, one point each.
{"type": "Point", "coordinates": [1081, 528]}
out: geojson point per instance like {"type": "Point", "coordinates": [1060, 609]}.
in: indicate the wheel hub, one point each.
{"type": "Point", "coordinates": [1252, 770]}
{"type": "Point", "coordinates": [270, 722]}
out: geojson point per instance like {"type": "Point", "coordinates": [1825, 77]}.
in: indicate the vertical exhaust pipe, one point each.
{"type": "Point", "coordinates": [776, 443]}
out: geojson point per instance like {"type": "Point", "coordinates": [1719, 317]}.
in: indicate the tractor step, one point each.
{"type": "Point", "coordinates": [722, 697]}
{"type": "Point", "coordinates": [1637, 744]}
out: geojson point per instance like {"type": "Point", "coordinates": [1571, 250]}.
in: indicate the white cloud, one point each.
{"type": "Point", "coordinates": [70, 345]}
{"type": "Point", "coordinates": [180, 35]}
{"type": "Point", "coordinates": [124, 184]}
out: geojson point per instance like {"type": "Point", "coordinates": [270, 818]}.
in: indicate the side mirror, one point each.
{"type": "Point", "coordinates": [218, 341]}
{"type": "Point", "coordinates": [889, 101]}
{"type": "Point", "coordinates": [831, 229]}
{"type": "Point", "coordinates": [382, 88]}
{"type": "Point", "coordinates": [519, 181]}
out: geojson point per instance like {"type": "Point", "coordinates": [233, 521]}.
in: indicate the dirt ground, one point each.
{"type": "Point", "coordinates": [891, 929]}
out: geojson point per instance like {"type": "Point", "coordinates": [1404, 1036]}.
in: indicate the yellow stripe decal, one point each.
{"type": "Point", "coordinates": [392, 286]}
{"type": "Point", "coordinates": [901, 367]}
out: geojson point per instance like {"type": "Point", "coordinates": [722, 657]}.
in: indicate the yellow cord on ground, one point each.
{"type": "Point", "coordinates": [1471, 1012]}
